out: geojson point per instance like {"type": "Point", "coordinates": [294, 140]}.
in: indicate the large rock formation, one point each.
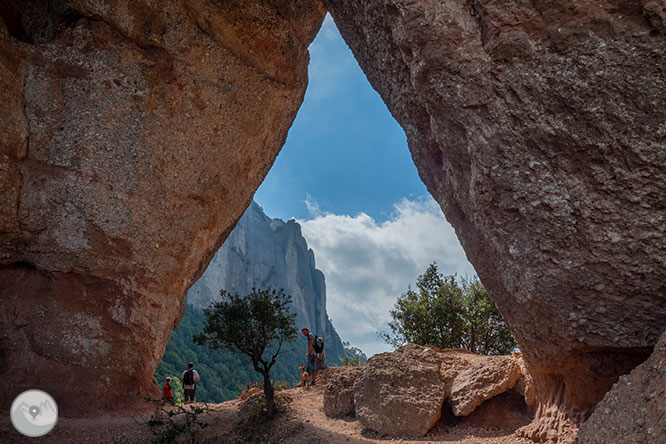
{"type": "Point", "coordinates": [339, 393]}
{"type": "Point", "coordinates": [263, 252]}
{"type": "Point", "coordinates": [133, 137]}
{"type": "Point", "coordinates": [481, 380]}
{"type": "Point", "coordinates": [634, 410]}
{"type": "Point", "coordinates": [539, 128]}
{"type": "Point", "coordinates": [402, 393]}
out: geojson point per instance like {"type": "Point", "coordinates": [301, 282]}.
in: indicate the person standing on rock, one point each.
{"type": "Point", "coordinates": [315, 348]}
{"type": "Point", "coordinates": [189, 378]}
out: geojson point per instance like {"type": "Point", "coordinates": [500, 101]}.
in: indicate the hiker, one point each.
{"type": "Point", "coordinates": [315, 347]}
{"type": "Point", "coordinates": [320, 360]}
{"type": "Point", "coordinates": [189, 378]}
{"type": "Point", "coordinates": [166, 390]}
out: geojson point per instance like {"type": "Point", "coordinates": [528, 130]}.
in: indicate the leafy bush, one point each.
{"type": "Point", "coordinates": [176, 423]}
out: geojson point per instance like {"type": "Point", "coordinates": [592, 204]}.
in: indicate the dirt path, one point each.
{"type": "Point", "coordinates": [304, 423]}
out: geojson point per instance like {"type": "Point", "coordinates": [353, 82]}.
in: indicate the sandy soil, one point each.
{"type": "Point", "coordinates": [303, 422]}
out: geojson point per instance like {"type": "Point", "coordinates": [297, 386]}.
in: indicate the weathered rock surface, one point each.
{"type": "Point", "coordinates": [263, 252]}
{"type": "Point", "coordinates": [400, 393]}
{"type": "Point", "coordinates": [339, 394]}
{"type": "Point", "coordinates": [397, 394]}
{"type": "Point", "coordinates": [482, 380]}
{"type": "Point", "coordinates": [634, 410]}
{"type": "Point", "coordinates": [133, 137]}
{"type": "Point", "coordinates": [539, 128]}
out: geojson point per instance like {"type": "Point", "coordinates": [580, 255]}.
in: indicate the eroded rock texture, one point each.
{"type": "Point", "coordinates": [634, 410]}
{"type": "Point", "coordinates": [540, 129]}
{"type": "Point", "coordinates": [339, 393]}
{"type": "Point", "coordinates": [400, 393]}
{"type": "Point", "coordinates": [133, 137]}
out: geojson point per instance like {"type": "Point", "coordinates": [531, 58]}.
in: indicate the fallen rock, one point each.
{"type": "Point", "coordinates": [400, 393]}
{"type": "Point", "coordinates": [481, 381]}
{"type": "Point", "coordinates": [397, 394]}
{"type": "Point", "coordinates": [339, 394]}
{"type": "Point", "coordinates": [545, 151]}
{"type": "Point", "coordinates": [634, 410]}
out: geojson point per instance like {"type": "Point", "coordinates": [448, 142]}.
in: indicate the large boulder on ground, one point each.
{"type": "Point", "coordinates": [530, 126]}
{"type": "Point", "coordinates": [634, 410]}
{"type": "Point", "coordinates": [134, 135]}
{"type": "Point", "coordinates": [400, 393]}
{"type": "Point", "coordinates": [481, 380]}
{"type": "Point", "coordinates": [339, 393]}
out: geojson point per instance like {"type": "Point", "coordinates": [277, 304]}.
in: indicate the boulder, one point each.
{"type": "Point", "coordinates": [482, 380]}
{"type": "Point", "coordinates": [134, 135]}
{"type": "Point", "coordinates": [634, 410]}
{"type": "Point", "coordinates": [400, 393]}
{"type": "Point", "coordinates": [528, 124]}
{"type": "Point", "coordinates": [339, 394]}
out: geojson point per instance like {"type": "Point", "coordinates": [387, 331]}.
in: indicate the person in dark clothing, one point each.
{"type": "Point", "coordinates": [189, 378]}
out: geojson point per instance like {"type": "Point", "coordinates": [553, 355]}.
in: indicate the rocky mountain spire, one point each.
{"type": "Point", "coordinates": [263, 252]}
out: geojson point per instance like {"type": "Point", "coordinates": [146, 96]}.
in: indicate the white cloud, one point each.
{"type": "Point", "coordinates": [312, 205]}
{"type": "Point", "coordinates": [369, 264]}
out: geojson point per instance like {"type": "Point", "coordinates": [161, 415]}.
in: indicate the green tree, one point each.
{"type": "Point", "coordinates": [251, 324]}
{"type": "Point", "coordinates": [447, 314]}
{"type": "Point", "coordinates": [353, 356]}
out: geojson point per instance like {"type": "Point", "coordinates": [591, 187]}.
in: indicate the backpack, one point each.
{"type": "Point", "coordinates": [188, 379]}
{"type": "Point", "coordinates": [318, 344]}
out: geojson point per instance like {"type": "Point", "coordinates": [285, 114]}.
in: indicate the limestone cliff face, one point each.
{"type": "Point", "coordinates": [133, 137]}
{"type": "Point", "coordinates": [263, 252]}
{"type": "Point", "coordinates": [539, 128]}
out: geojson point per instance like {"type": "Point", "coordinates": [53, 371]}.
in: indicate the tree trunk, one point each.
{"type": "Point", "coordinates": [269, 392]}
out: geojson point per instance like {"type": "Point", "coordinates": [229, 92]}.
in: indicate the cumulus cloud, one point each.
{"type": "Point", "coordinates": [368, 264]}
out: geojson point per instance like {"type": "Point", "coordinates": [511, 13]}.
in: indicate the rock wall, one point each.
{"type": "Point", "coordinates": [539, 128]}
{"type": "Point", "coordinates": [133, 137]}
{"type": "Point", "coordinates": [634, 410]}
{"type": "Point", "coordinates": [263, 252]}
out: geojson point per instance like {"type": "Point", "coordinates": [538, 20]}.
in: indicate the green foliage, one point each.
{"type": "Point", "coordinates": [447, 314]}
{"type": "Point", "coordinates": [177, 390]}
{"type": "Point", "coordinates": [224, 374]}
{"type": "Point", "coordinates": [254, 427]}
{"type": "Point", "coordinates": [280, 385]}
{"type": "Point", "coordinates": [176, 423]}
{"type": "Point", "coordinates": [250, 324]}
{"type": "Point", "coordinates": [353, 356]}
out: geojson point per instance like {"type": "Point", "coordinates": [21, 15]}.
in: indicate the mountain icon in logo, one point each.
{"type": "Point", "coordinates": [34, 413]}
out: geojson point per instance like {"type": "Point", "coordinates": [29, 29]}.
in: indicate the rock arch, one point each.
{"type": "Point", "coordinates": [134, 137]}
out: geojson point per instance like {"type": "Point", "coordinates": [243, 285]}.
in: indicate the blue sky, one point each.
{"type": "Point", "coordinates": [344, 151]}
{"type": "Point", "coordinates": [346, 175]}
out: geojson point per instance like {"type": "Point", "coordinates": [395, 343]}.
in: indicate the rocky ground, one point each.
{"type": "Point", "coordinates": [302, 421]}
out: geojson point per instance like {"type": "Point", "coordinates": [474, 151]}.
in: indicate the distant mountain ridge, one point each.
{"type": "Point", "coordinates": [260, 252]}
{"type": "Point", "coordinates": [263, 252]}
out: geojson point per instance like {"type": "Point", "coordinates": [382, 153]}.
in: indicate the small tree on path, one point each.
{"type": "Point", "coordinates": [251, 324]}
